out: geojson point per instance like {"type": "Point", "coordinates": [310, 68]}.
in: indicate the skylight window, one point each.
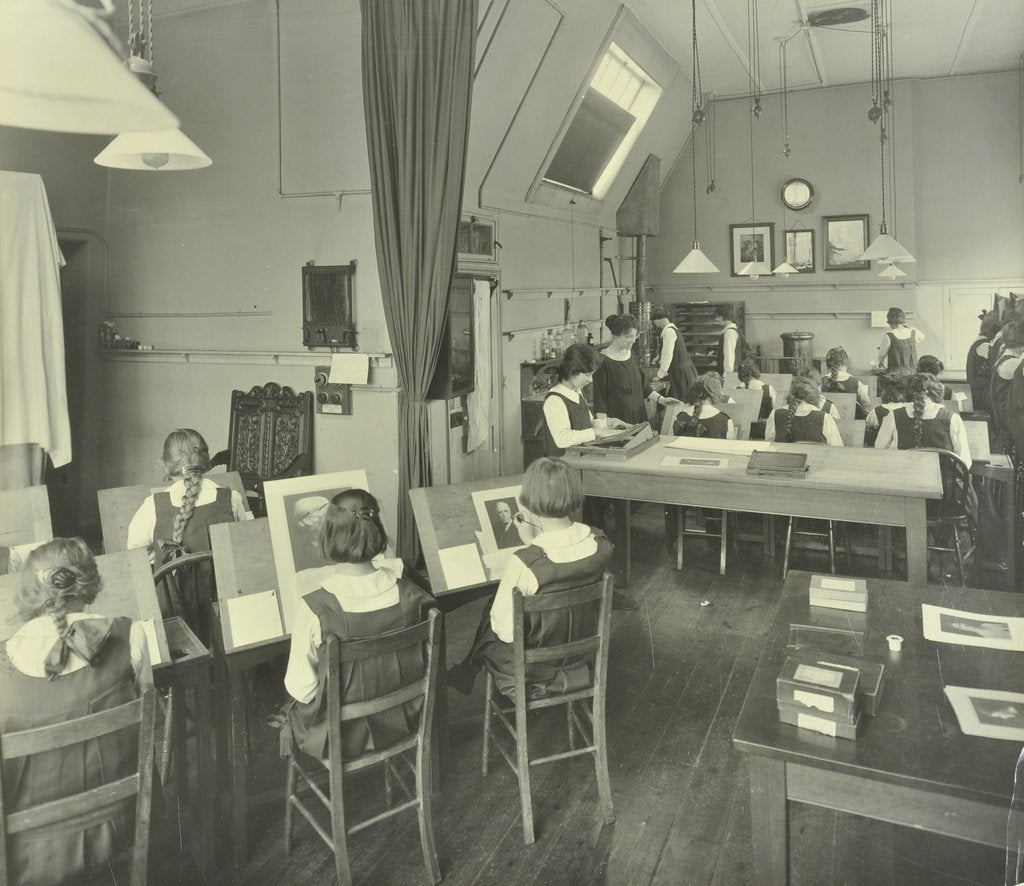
{"type": "Point", "coordinates": [615, 108]}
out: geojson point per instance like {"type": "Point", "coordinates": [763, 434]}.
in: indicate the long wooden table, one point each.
{"type": "Point", "coordinates": [911, 764]}
{"type": "Point", "coordinates": [878, 487]}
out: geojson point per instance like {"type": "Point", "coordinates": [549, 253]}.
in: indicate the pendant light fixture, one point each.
{"type": "Point", "coordinates": [164, 150]}
{"type": "Point", "coordinates": [784, 268]}
{"type": "Point", "coordinates": [753, 269]}
{"type": "Point", "coordinates": [885, 248]}
{"type": "Point", "coordinates": [62, 72]}
{"type": "Point", "coordinates": [696, 262]}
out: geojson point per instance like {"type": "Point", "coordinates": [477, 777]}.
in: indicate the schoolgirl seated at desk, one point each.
{"type": "Point", "coordinates": [924, 422]}
{"type": "Point", "coordinates": [750, 375]}
{"type": "Point", "coordinates": [801, 421]}
{"type": "Point", "coordinates": [892, 391]}
{"type": "Point", "coordinates": [814, 377]}
{"type": "Point", "coordinates": [699, 416]}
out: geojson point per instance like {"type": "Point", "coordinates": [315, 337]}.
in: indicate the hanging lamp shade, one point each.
{"type": "Point", "coordinates": [696, 262]}
{"type": "Point", "coordinates": [784, 269]}
{"type": "Point", "coordinates": [892, 272]}
{"type": "Point", "coordinates": [58, 73]}
{"type": "Point", "coordinates": [886, 248]}
{"type": "Point", "coordinates": [754, 269]}
{"type": "Point", "coordinates": [165, 150]}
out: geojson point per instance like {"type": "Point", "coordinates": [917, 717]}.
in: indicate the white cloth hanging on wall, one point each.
{"type": "Point", "coordinates": [479, 403]}
{"type": "Point", "coordinates": [33, 393]}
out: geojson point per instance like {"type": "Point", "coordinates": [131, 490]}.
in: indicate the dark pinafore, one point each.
{"type": "Point", "coordinates": [849, 385]}
{"type": "Point", "coordinates": [978, 376]}
{"type": "Point", "coordinates": [999, 401]}
{"type": "Point", "coordinates": [934, 431]}
{"type": "Point", "coordinates": [363, 679]}
{"type": "Point", "coordinates": [902, 353]}
{"type": "Point", "coordinates": [871, 434]}
{"type": "Point", "coordinates": [545, 628]}
{"type": "Point", "coordinates": [805, 428]}
{"type": "Point", "coordinates": [715, 427]}
{"type": "Point", "coordinates": [580, 419]}
{"type": "Point", "coordinates": [197, 530]}
{"type": "Point", "coordinates": [681, 371]}
{"type": "Point", "coordinates": [28, 702]}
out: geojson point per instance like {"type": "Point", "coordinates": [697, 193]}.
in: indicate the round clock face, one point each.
{"type": "Point", "coordinates": [797, 193]}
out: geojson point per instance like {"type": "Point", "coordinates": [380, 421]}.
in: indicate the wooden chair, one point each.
{"type": "Point", "coordinates": [591, 647]}
{"type": "Point", "coordinates": [185, 587]}
{"type": "Point", "coordinates": [24, 516]}
{"type": "Point", "coordinates": [827, 535]}
{"type": "Point", "coordinates": [77, 812]}
{"type": "Point", "coordinates": [426, 635]}
{"type": "Point", "coordinates": [952, 513]}
{"type": "Point", "coordinates": [845, 403]}
{"type": "Point", "coordinates": [270, 438]}
{"type": "Point", "coordinates": [852, 431]}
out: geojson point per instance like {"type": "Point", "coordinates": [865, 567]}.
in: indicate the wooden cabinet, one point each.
{"type": "Point", "coordinates": [696, 322]}
{"type": "Point", "coordinates": [454, 373]}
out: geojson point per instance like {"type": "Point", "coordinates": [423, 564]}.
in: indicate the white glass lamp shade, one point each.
{"type": "Point", "coordinates": [785, 269]}
{"type": "Point", "coordinates": [58, 74]}
{"type": "Point", "coordinates": [754, 269]}
{"type": "Point", "coordinates": [886, 248]}
{"type": "Point", "coordinates": [696, 262]}
{"type": "Point", "coordinates": [892, 272]}
{"type": "Point", "coordinates": [165, 150]}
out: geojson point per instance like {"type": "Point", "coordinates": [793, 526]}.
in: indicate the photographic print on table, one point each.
{"type": "Point", "coordinates": [749, 242]}
{"type": "Point", "coordinates": [295, 508]}
{"type": "Point", "coordinates": [846, 238]}
{"type": "Point", "coordinates": [962, 628]}
{"type": "Point", "coordinates": [800, 250]}
{"type": "Point", "coordinates": [496, 510]}
{"type": "Point", "coordinates": [991, 713]}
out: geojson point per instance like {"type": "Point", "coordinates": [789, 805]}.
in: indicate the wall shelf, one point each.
{"type": "Point", "coordinates": [258, 358]}
{"type": "Point", "coordinates": [748, 288]}
{"type": "Point", "coordinates": [578, 292]}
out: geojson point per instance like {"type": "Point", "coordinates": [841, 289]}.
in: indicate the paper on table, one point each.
{"type": "Point", "coordinates": [254, 618]}
{"type": "Point", "coordinates": [989, 712]}
{"type": "Point", "coordinates": [731, 447]}
{"type": "Point", "coordinates": [496, 561]}
{"type": "Point", "coordinates": [461, 566]}
{"type": "Point", "coordinates": [972, 628]}
{"type": "Point", "coordinates": [674, 461]}
{"type": "Point", "coordinates": [837, 584]}
{"type": "Point", "coordinates": [959, 396]}
{"type": "Point", "coordinates": [349, 369]}
{"type": "Point", "coordinates": [149, 628]}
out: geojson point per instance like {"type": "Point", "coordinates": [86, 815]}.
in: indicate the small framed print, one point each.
{"type": "Point", "coordinates": [799, 246]}
{"type": "Point", "coordinates": [751, 242]}
{"type": "Point", "coordinates": [846, 238]}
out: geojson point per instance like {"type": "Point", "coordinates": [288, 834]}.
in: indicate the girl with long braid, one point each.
{"type": "Point", "coordinates": [839, 381]}
{"type": "Point", "coordinates": [750, 378]}
{"type": "Point", "coordinates": [924, 422]}
{"type": "Point", "coordinates": [800, 421]}
{"type": "Point", "coordinates": [808, 372]}
{"type": "Point", "coordinates": [699, 416]}
{"type": "Point", "coordinates": [179, 518]}
{"type": "Point", "coordinates": [61, 664]}
{"type": "Point", "coordinates": [892, 391]}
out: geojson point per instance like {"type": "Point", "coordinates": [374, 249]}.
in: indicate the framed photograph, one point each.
{"type": "Point", "coordinates": [846, 238]}
{"type": "Point", "coordinates": [799, 246]}
{"type": "Point", "coordinates": [751, 242]}
{"type": "Point", "coordinates": [972, 628]}
{"type": "Point", "coordinates": [988, 712]}
{"type": "Point", "coordinates": [496, 511]}
{"type": "Point", "coordinates": [295, 508]}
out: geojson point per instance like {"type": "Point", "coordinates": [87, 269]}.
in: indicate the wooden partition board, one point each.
{"type": "Point", "coordinates": [24, 516]}
{"type": "Point", "coordinates": [127, 590]}
{"type": "Point", "coordinates": [978, 439]}
{"type": "Point", "coordinates": [852, 431]}
{"type": "Point", "coordinates": [845, 403]}
{"type": "Point", "coordinates": [117, 507]}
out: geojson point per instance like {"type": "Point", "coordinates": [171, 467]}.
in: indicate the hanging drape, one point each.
{"type": "Point", "coordinates": [33, 395]}
{"type": "Point", "coordinates": [417, 82]}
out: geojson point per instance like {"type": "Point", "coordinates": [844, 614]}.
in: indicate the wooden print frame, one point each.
{"type": "Point", "coordinates": [845, 237]}
{"type": "Point", "coordinates": [798, 249]}
{"type": "Point", "coordinates": [753, 241]}
{"type": "Point", "coordinates": [294, 508]}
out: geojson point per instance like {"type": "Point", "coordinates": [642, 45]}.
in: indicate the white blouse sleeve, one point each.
{"type": "Point", "coordinates": [730, 434]}
{"type": "Point", "coordinates": [831, 431]}
{"type": "Point", "coordinates": [238, 507]}
{"type": "Point", "coordinates": [886, 438]}
{"type": "Point", "coordinates": [668, 346]}
{"type": "Point", "coordinates": [140, 529]}
{"type": "Point", "coordinates": [958, 437]}
{"type": "Point", "coordinates": [769, 427]}
{"type": "Point", "coordinates": [300, 679]}
{"type": "Point", "coordinates": [557, 417]}
{"type": "Point", "coordinates": [517, 575]}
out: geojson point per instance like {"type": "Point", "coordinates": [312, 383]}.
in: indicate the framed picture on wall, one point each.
{"type": "Point", "coordinates": [846, 238]}
{"type": "Point", "coordinates": [799, 247]}
{"type": "Point", "coordinates": [751, 242]}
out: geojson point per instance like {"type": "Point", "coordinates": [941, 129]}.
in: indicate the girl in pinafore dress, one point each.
{"type": "Point", "coordinates": [839, 381]}
{"type": "Point", "coordinates": [892, 391]}
{"type": "Point", "coordinates": [364, 597]}
{"type": "Point", "coordinates": [801, 421]}
{"type": "Point", "coordinates": [699, 417]}
{"type": "Point", "coordinates": [808, 372]}
{"type": "Point", "coordinates": [64, 663]}
{"type": "Point", "coordinates": [898, 349]}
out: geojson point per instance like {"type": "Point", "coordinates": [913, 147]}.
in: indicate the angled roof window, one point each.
{"type": "Point", "coordinates": [615, 107]}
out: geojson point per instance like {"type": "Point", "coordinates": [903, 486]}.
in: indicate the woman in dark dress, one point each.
{"type": "Point", "coordinates": [620, 389]}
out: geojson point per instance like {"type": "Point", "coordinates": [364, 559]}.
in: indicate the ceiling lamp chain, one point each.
{"type": "Point", "coordinates": [695, 261]}
{"type": "Point", "coordinates": [710, 146]}
{"type": "Point", "coordinates": [784, 268]}
{"type": "Point", "coordinates": [755, 268]}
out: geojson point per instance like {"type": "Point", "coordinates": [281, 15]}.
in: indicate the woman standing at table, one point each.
{"type": "Point", "coordinates": [898, 349]}
{"type": "Point", "coordinates": [620, 390]}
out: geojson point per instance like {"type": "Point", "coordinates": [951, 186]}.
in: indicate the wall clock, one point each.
{"type": "Point", "coordinates": [797, 194]}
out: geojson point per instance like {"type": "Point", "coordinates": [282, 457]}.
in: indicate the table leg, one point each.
{"type": "Point", "coordinates": [769, 824]}
{"type": "Point", "coordinates": [917, 542]}
{"type": "Point", "coordinates": [205, 814]}
{"type": "Point", "coordinates": [625, 538]}
{"type": "Point", "coordinates": [240, 837]}
{"type": "Point", "coordinates": [1010, 517]}
{"type": "Point", "coordinates": [439, 759]}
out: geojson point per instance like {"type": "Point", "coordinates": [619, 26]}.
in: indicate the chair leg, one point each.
{"type": "Point", "coordinates": [785, 553]}
{"type": "Point", "coordinates": [832, 547]}
{"type": "Point", "coordinates": [572, 735]}
{"type": "Point", "coordinates": [426, 815]}
{"type": "Point", "coordinates": [844, 529]}
{"type": "Point", "coordinates": [523, 770]}
{"type": "Point", "coordinates": [680, 526]}
{"type": "Point", "coordinates": [959, 557]}
{"type": "Point", "coordinates": [338, 834]}
{"type": "Point", "coordinates": [289, 810]}
{"type": "Point", "coordinates": [389, 794]}
{"type": "Point", "coordinates": [488, 694]}
{"type": "Point", "coordinates": [604, 785]}
{"type": "Point", "coordinates": [167, 742]}
{"type": "Point", "coordinates": [724, 545]}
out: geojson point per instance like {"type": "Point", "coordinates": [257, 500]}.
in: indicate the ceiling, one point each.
{"type": "Point", "coordinates": [932, 38]}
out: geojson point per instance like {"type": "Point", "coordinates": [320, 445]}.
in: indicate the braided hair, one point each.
{"type": "Point", "coordinates": [748, 370]}
{"type": "Point", "coordinates": [801, 390]}
{"type": "Point", "coordinates": [921, 387]}
{"type": "Point", "coordinates": [58, 575]}
{"type": "Point", "coordinates": [892, 385]}
{"type": "Point", "coordinates": [836, 359]}
{"type": "Point", "coordinates": [705, 387]}
{"type": "Point", "coordinates": [186, 455]}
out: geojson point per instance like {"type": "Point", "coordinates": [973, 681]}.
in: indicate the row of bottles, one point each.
{"type": "Point", "coordinates": [554, 343]}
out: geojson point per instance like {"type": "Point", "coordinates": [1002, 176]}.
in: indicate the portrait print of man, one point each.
{"type": "Point", "coordinates": [506, 531]}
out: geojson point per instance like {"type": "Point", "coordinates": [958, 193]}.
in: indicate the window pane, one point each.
{"type": "Point", "coordinates": [595, 133]}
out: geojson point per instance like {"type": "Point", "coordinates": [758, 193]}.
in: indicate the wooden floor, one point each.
{"type": "Point", "coordinates": [680, 790]}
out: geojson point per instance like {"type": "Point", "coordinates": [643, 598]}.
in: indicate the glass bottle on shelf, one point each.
{"type": "Point", "coordinates": [581, 333]}
{"type": "Point", "coordinates": [568, 336]}
{"type": "Point", "coordinates": [549, 346]}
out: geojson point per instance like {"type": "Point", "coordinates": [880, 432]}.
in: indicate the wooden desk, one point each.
{"type": "Point", "coordinates": [911, 765]}
{"type": "Point", "coordinates": [878, 487]}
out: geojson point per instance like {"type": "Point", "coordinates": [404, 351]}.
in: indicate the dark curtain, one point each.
{"type": "Point", "coordinates": [418, 58]}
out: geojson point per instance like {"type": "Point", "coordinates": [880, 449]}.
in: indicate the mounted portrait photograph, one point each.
{"type": "Point", "coordinates": [496, 511]}
{"type": "Point", "coordinates": [800, 250]}
{"type": "Point", "coordinates": [749, 242]}
{"type": "Point", "coordinates": [846, 238]}
{"type": "Point", "coordinates": [991, 713]}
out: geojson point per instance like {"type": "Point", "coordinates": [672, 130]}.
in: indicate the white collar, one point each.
{"type": "Point", "coordinates": [562, 538]}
